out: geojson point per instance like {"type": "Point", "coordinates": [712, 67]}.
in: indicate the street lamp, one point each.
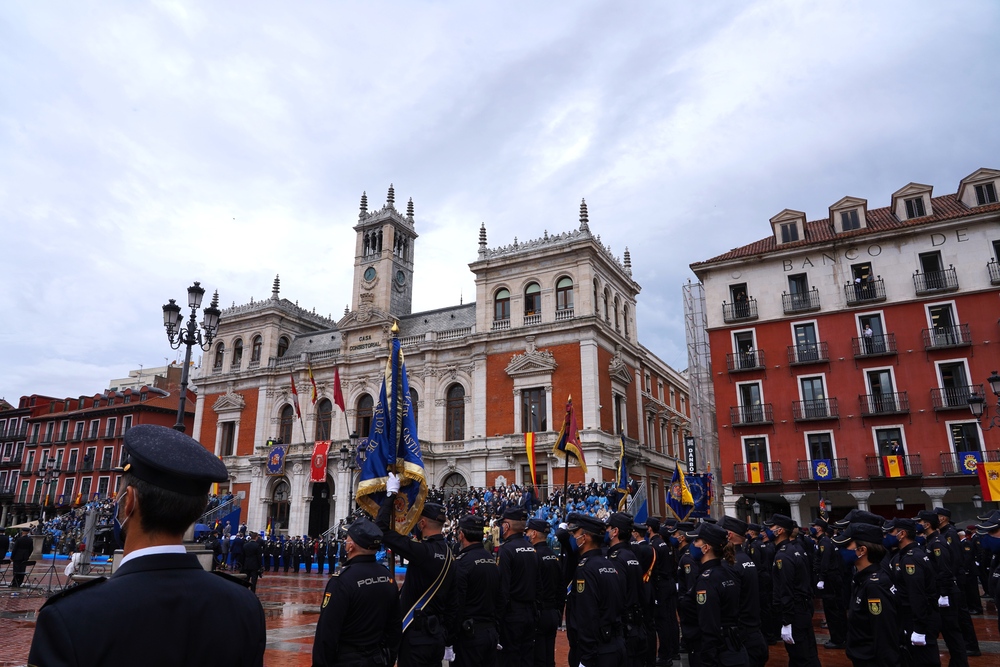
{"type": "Point", "coordinates": [49, 474]}
{"type": "Point", "coordinates": [977, 501]}
{"type": "Point", "coordinates": [977, 403]}
{"type": "Point", "coordinates": [899, 503]}
{"type": "Point", "coordinates": [190, 335]}
{"type": "Point", "coordinates": [756, 509]}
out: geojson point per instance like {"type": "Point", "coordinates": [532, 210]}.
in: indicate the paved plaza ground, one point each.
{"type": "Point", "coordinates": [291, 603]}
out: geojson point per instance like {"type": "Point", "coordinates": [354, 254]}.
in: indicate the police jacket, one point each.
{"type": "Point", "coordinates": [21, 551]}
{"type": "Point", "coordinates": [872, 626]}
{"type": "Point", "coordinates": [626, 562]}
{"type": "Point", "coordinates": [552, 592]}
{"type": "Point", "coordinates": [745, 572]}
{"type": "Point", "coordinates": [940, 554]}
{"type": "Point", "coordinates": [717, 599]}
{"type": "Point", "coordinates": [828, 565]}
{"type": "Point", "coordinates": [664, 569]}
{"type": "Point", "coordinates": [790, 581]}
{"type": "Point", "coordinates": [916, 589]}
{"type": "Point", "coordinates": [251, 556]}
{"type": "Point", "coordinates": [476, 592]}
{"type": "Point", "coordinates": [518, 564]}
{"type": "Point", "coordinates": [594, 608]}
{"type": "Point", "coordinates": [359, 614]}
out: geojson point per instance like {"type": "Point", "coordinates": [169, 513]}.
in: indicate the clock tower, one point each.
{"type": "Point", "coordinates": [383, 260]}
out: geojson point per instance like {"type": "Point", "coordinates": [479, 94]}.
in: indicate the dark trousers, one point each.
{"type": "Point", "coordinates": [666, 627]}
{"type": "Point", "coordinates": [18, 573]}
{"type": "Point", "coordinates": [611, 654]}
{"type": "Point", "coordinates": [961, 606]}
{"type": "Point", "coordinates": [419, 649]}
{"type": "Point", "coordinates": [517, 636]}
{"type": "Point", "coordinates": [757, 651]}
{"type": "Point", "coordinates": [480, 650]}
{"type": "Point", "coordinates": [952, 635]}
{"type": "Point", "coordinates": [803, 652]}
{"type": "Point", "coordinates": [545, 637]}
{"type": "Point", "coordinates": [252, 580]}
{"type": "Point", "coordinates": [836, 617]}
{"type": "Point", "coordinates": [972, 600]}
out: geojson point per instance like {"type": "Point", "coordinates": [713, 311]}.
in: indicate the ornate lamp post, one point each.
{"type": "Point", "coordinates": [49, 474]}
{"type": "Point", "coordinates": [977, 403]}
{"type": "Point", "coordinates": [190, 335]}
{"type": "Point", "coordinates": [349, 463]}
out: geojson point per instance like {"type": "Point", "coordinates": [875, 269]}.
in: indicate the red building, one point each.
{"type": "Point", "coordinates": [838, 342]}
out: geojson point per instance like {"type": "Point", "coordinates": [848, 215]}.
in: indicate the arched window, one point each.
{"type": "Point", "coordinates": [532, 299]}
{"type": "Point", "coordinates": [324, 417]}
{"type": "Point", "coordinates": [363, 418]}
{"type": "Point", "coordinates": [625, 319]}
{"type": "Point", "coordinates": [414, 399]}
{"type": "Point", "coordinates": [455, 413]}
{"type": "Point", "coordinates": [282, 346]}
{"type": "Point", "coordinates": [285, 424]}
{"type": "Point", "coordinates": [454, 483]}
{"type": "Point", "coordinates": [237, 353]}
{"type": "Point", "coordinates": [255, 348]}
{"type": "Point", "coordinates": [501, 305]}
{"type": "Point", "coordinates": [564, 294]}
{"type": "Point", "coordinates": [597, 304]}
{"type": "Point", "coordinates": [607, 302]}
{"type": "Point", "coordinates": [617, 325]}
{"type": "Point", "coordinates": [220, 354]}
{"type": "Point", "coordinates": [280, 505]}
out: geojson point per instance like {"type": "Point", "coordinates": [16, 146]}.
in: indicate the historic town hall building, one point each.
{"type": "Point", "coordinates": [553, 318]}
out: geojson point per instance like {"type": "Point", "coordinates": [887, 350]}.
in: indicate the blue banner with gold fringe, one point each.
{"type": "Point", "coordinates": [822, 469]}
{"type": "Point", "coordinates": [969, 462]}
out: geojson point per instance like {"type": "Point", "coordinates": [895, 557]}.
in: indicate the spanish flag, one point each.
{"type": "Point", "coordinates": [313, 393]}
{"type": "Point", "coordinates": [893, 466]}
{"type": "Point", "coordinates": [989, 480]}
{"type": "Point", "coordinates": [755, 472]}
{"type": "Point", "coordinates": [529, 446]}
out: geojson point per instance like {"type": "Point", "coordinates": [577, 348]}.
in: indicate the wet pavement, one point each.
{"type": "Point", "coordinates": [291, 605]}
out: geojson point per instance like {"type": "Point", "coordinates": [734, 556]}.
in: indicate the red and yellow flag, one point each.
{"type": "Point", "coordinates": [295, 398]}
{"type": "Point", "coordinates": [893, 466]}
{"type": "Point", "coordinates": [312, 381]}
{"type": "Point", "coordinates": [529, 446]}
{"type": "Point", "coordinates": [755, 473]}
{"type": "Point", "coordinates": [989, 480]}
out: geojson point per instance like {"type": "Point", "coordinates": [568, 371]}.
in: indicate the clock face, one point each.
{"type": "Point", "coordinates": [370, 273]}
{"type": "Point", "coordinates": [400, 277]}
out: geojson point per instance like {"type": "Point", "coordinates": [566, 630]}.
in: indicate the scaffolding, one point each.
{"type": "Point", "coordinates": [700, 389]}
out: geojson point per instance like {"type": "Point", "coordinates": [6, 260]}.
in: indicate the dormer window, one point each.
{"type": "Point", "coordinates": [986, 194]}
{"type": "Point", "coordinates": [789, 232]}
{"type": "Point", "coordinates": [788, 226]}
{"type": "Point", "coordinates": [912, 201]}
{"type": "Point", "coordinates": [849, 214]}
{"type": "Point", "coordinates": [849, 220]}
{"type": "Point", "coordinates": [915, 208]}
{"type": "Point", "coordinates": [979, 188]}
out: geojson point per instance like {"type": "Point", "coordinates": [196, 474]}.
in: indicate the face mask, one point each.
{"type": "Point", "coordinates": [813, 531]}
{"type": "Point", "coordinates": [921, 540]}
{"type": "Point", "coordinates": [607, 539]}
{"type": "Point", "coordinates": [574, 543]}
{"type": "Point", "coordinates": [890, 541]}
{"type": "Point", "coordinates": [419, 534]}
{"type": "Point", "coordinates": [696, 552]}
{"type": "Point", "coordinates": [850, 556]}
{"type": "Point", "coordinates": [991, 543]}
{"type": "Point", "coordinates": [920, 529]}
{"type": "Point", "coordinates": [769, 533]}
{"type": "Point", "coordinates": [119, 525]}
{"type": "Point", "coordinates": [674, 542]}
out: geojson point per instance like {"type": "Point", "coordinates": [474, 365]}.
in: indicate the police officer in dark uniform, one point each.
{"type": "Point", "coordinates": [828, 566]}
{"type": "Point", "coordinates": [717, 640]}
{"type": "Point", "coordinates": [158, 585]}
{"type": "Point", "coordinates": [359, 618]}
{"type": "Point", "coordinates": [959, 604]}
{"type": "Point", "coordinates": [793, 600]}
{"type": "Point", "coordinates": [596, 599]}
{"type": "Point", "coordinates": [624, 559]}
{"type": "Point", "coordinates": [519, 568]}
{"type": "Point", "coordinates": [658, 584]}
{"type": "Point", "coordinates": [688, 569]}
{"type": "Point", "coordinates": [873, 628]}
{"type": "Point", "coordinates": [988, 531]}
{"type": "Point", "coordinates": [669, 630]}
{"type": "Point", "coordinates": [647, 559]}
{"type": "Point", "coordinates": [916, 593]}
{"type": "Point", "coordinates": [761, 552]}
{"type": "Point", "coordinates": [940, 554]}
{"type": "Point", "coordinates": [745, 571]}
{"type": "Point", "coordinates": [429, 571]}
{"type": "Point", "coordinates": [551, 594]}
{"type": "Point", "coordinates": [473, 635]}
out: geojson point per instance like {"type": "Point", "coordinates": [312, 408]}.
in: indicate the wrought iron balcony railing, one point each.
{"type": "Point", "coordinates": [874, 346]}
{"type": "Point", "coordinates": [827, 470]}
{"type": "Point", "coordinates": [749, 415]}
{"type": "Point", "coordinates": [824, 408]}
{"type": "Point", "coordinates": [770, 472]}
{"type": "Point", "coordinates": [994, 269]}
{"type": "Point", "coordinates": [940, 338]}
{"type": "Point", "coordinates": [954, 398]}
{"type": "Point", "coordinates": [751, 360]}
{"type": "Point", "coordinates": [800, 302]}
{"type": "Point", "coordinates": [865, 292]}
{"type": "Point", "coordinates": [884, 404]}
{"type": "Point", "coordinates": [967, 463]}
{"type": "Point", "coordinates": [739, 311]}
{"type": "Point", "coordinates": [808, 353]}
{"type": "Point", "coordinates": [908, 466]}
{"type": "Point", "coordinates": [935, 281]}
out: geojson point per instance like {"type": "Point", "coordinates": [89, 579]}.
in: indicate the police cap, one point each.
{"type": "Point", "coordinates": [434, 512]}
{"type": "Point", "coordinates": [516, 514]}
{"type": "Point", "coordinates": [640, 526]}
{"type": "Point", "coordinates": [365, 533]}
{"type": "Point", "coordinates": [905, 524]}
{"type": "Point", "coordinates": [989, 524]}
{"type": "Point", "coordinates": [733, 524]}
{"type": "Point", "coordinates": [860, 531]}
{"type": "Point", "coordinates": [930, 516]}
{"type": "Point", "coordinates": [588, 524]}
{"type": "Point", "coordinates": [710, 534]}
{"type": "Point", "coordinates": [621, 521]}
{"type": "Point", "coordinates": [943, 511]}
{"type": "Point", "coordinates": [541, 525]}
{"type": "Point", "coordinates": [472, 523]}
{"type": "Point", "coordinates": [171, 460]}
{"type": "Point", "coordinates": [780, 520]}
{"type": "Point", "coordinates": [860, 516]}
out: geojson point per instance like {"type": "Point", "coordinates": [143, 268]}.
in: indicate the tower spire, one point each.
{"type": "Point", "coordinates": [276, 287]}
{"type": "Point", "coordinates": [584, 227]}
{"type": "Point", "coordinates": [482, 240]}
{"type": "Point", "coordinates": [390, 199]}
{"type": "Point", "coordinates": [628, 262]}
{"type": "Point", "coordinates": [364, 204]}
{"type": "Point", "coordinates": [409, 210]}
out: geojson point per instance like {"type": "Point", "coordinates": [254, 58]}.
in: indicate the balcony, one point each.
{"type": "Point", "coordinates": [11, 462]}
{"type": "Point", "coordinates": [966, 463]}
{"type": "Point", "coordinates": [861, 293]}
{"type": "Point", "coordinates": [564, 314]}
{"type": "Point", "coordinates": [800, 302]}
{"type": "Point", "coordinates": [932, 282]}
{"type": "Point", "coordinates": [91, 436]}
{"type": "Point", "coordinates": [874, 346]}
{"type": "Point", "coordinates": [7, 492]}
{"type": "Point", "coordinates": [770, 473]}
{"type": "Point", "coordinates": [808, 353]}
{"type": "Point", "coordinates": [909, 466]}
{"type": "Point", "coordinates": [751, 415]}
{"type": "Point", "coordinates": [741, 362]}
{"type": "Point", "coordinates": [994, 270]}
{"type": "Point", "coordinates": [534, 318]}
{"type": "Point", "coordinates": [815, 410]}
{"type": "Point", "coordinates": [740, 311]}
{"type": "Point", "coordinates": [827, 470]}
{"type": "Point", "coordinates": [954, 398]}
{"type": "Point", "coordinates": [940, 338]}
{"type": "Point", "coordinates": [500, 325]}
{"type": "Point", "coordinates": [874, 405]}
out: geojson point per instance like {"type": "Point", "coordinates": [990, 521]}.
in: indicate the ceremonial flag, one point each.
{"type": "Point", "coordinates": [989, 481]}
{"type": "Point", "coordinates": [892, 466]}
{"type": "Point", "coordinates": [638, 505]}
{"type": "Point", "coordinates": [822, 469]}
{"type": "Point", "coordinates": [276, 460]}
{"type": "Point", "coordinates": [679, 498]}
{"type": "Point", "coordinates": [568, 442]}
{"type": "Point", "coordinates": [295, 397]}
{"type": "Point", "coordinates": [312, 390]}
{"type": "Point", "coordinates": [393, 447]}
{"type": "Point", "coordinates": [701, 494]}
{"type": "Point", "coordinates": [755, 472]}
{"type": "Point", "coordinates": [320, 451]}
{"type": "Point", "coordinates": [267, 531]}
{"type": "Point", "coordinates": [529, 446]}
{"type": "Point", "coordinates": [621, 478]}
{"type": "Point", "coordinates": [969, 462]}
{"type": "Point", "coordinates": [338, 394]}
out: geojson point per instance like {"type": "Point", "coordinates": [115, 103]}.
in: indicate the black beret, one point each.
{"type": "Point", "coordinates": [732, 523]}
{"type": "Point", "coordinates": [711, 534]}
{"type": "Point", "coordinates": [588, 524]}
{"type": "Point", "coordinates": [472, 523]}
{"type": "Point", "coordinates": [541, 525]}
{"type": "Point", "coordinates": [942, 511]}
{"type": "Point", "coordinates": [516, 514]}
{"type": "Point", "coordinates": [434, 512]}
{"type": "Point", "coordinates": [860, 531]}
{"type": "Point", "coordinates": [621, 521]}
{"type": "Point", "coordinates": [780, 520]}
{"type": "Point", "coordinates": [365, 534]}
{"type": "Point", "coordinates": [906, 524]}
{"type": "Point", "coordinates": [653, 524]}
{"type": "Point", "coordinates": [171, 460]}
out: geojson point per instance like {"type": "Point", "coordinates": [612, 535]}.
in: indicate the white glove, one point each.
{"type": "Point", "coordinates": [918, 640]}
{"type": "Point", "coordinates": [449, 653]}
{"type": "Point", "coordinates": [392, 484]}
{"type": "Point", "coordinates": [564, 525]}
{"type": "Point", "coordinates": [819, 585]}
{"type": "Point", "coordinates": [943, 601]}
{"type": "Point", "coordinates": [678, 586]}
{"type": "Point", "coordinates": [786, 634]}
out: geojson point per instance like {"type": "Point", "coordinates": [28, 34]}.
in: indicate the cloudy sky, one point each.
{"type": "Point", "coordinates": [146, 145]}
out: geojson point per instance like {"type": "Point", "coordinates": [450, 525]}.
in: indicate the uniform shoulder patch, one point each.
{"type": "Point", "coordinates": [580, 585]}
{"type": "Point", "coordinates": [687, 568]}
{"type": "Point", "coordinates": [777, 562]}
{"type": "Point", "coordinates": [702, 596]}
{"type": "Point", "coordinates": [911, 568]}
{"type": "Point", "coordinates": [72, 590]}
{"type": "Point", "coordinates": [822, 548]}
{"type": "Point", "coordinates": [326, 600]}
{"type": "Point", "coordinates": [875, 606]}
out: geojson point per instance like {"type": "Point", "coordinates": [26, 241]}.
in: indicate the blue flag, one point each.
{"type": "Point", "coordinates": [969, 462]}
{"type": "Point", "coordinates": [822, 469]}
{"type": "Point", "coordinates": [701, 494]}
{"type": "Point", "coordinates": [638, 506]}
{"type": "Point", "coordinates": [276, 460]}
{"type": "Point", "coordinates": [679, 498]}
{"type": "Point", "coordinates": [393, 446]}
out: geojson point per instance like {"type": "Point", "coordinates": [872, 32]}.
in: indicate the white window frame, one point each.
{"type": "Point", "coordinates": [885, 427]}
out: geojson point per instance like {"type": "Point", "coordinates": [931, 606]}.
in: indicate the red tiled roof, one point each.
{"type": "Point", "coordinates": [818, 232]}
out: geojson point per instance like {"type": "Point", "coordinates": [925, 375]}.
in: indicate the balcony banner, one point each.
{"type": "Point", "coordinates": [989, 480]}
{"type": "Point", "coordinates": [893, 466]}
{"type": "Point", "coordinates": [276, 460]}
{"type": "Point", "coordinates": [969, 462]}
{"type": "Point", "coordinates": [822, 469]}
{"type": "Point", "coordinates": [755, 472]}
{"type": "Point", "coordinates": [320, 452]}
{"type": "Point", "coordinates": [529, 447]}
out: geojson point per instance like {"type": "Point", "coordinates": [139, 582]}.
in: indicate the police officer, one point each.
{"type": "Point", "coordinates": [669, 630]}
{"type": "Point", "coordinates": [359, 618]}
{"type": "Point", "coordinates": [625, 561]}
{"type": "Point", "coordinates": [761, 552]}
{"type": "Point", "coordinates": [988, 531]}
{"type": "Point", "coordinates": [940, 554]}
{"type": "Point", "coordinates": [793, 600]}
{"type": "Point", "coordinates": [828, 566]}
{"type": "Point", "coordinates": [429, 573]}
{"type": "Point", "coordinates": [716, 591]}
{"type": "Point", "coordinates": [473, 635]}
{"type": "Point", "coordinates": [647, 559]}
{"type": "Point", "coordinates": [660, 581]}
{"type": "Point", "coordinates": [916, 593]}
{"type": "Point", "coordinates": [596, 600]}
{"type": "Point", "coordinates": [122, 620]}
{"type": "Point", "coordinates": [873, 629]}
{"type": "Point", "coordinates": [519, 568]}
{"type": "Point", "coordinates": [687, 572]}
{"type": "Point", "coordinates": [960, 604]}
{"type": "Point", "coordinates": [745, 571]}
{"type": "Point", "coordinates": [551, 593]}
